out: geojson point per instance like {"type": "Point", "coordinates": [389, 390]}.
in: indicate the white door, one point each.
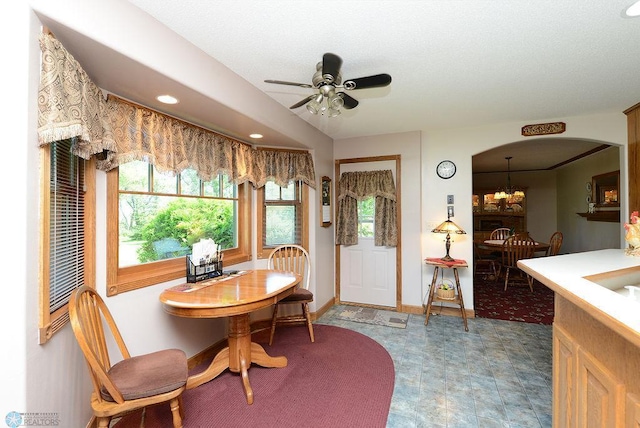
{"type": "Point", "coordinates": [367, 272]}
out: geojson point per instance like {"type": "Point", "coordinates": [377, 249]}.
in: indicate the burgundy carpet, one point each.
{"type": "Point", "coordinates": [344, 379]}
{"type": "Point", "coordinates": [518, 303]}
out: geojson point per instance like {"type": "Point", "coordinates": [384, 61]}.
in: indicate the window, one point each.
{"type": "Point", "coordinates": [366, 215]}
{"type": "Point", "coordinates": [68, 240]}
{"type": "Point", "coordinates": [282, 216]}
{"type": "Point", "coordinates": [154, 219]}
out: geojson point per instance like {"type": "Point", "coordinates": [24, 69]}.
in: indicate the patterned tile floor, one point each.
{"type": "Point", "coordinates": [498, 374]}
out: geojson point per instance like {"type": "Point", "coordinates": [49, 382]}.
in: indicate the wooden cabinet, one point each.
{"type": "Point", "coordinates": [596, 379]}
{"type": "Point", "coordinates": [633, 154]}
{"type": "Point", "coordinates": [490, 213]}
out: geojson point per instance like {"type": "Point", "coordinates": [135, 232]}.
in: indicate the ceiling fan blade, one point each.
{"type": "Point", "coordinates": [375, 81]}
{"type": "Point", "coordinates": [303, 102]}
{"type": "Point", "coordinates": [331, 64]}
{"type": "Point", "coordinates": [349, 101]}
{"type": "Point", "coordinates": [282, 82]}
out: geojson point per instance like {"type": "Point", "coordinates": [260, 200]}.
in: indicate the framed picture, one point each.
{"type": "Point", "coordinates": [325, 202]}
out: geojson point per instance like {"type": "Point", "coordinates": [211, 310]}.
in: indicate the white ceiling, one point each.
{"type": "Point", "coordinates": [453, 63]}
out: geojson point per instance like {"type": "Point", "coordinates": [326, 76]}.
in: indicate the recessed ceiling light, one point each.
{"type": "Point", "coordinates": [255, 135]}
{"type": "Point", "coordinates": [634, 9]}
{"type": "Point", "coordinates": [167, 99]}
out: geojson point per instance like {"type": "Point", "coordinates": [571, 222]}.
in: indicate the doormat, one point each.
{"type": "Point", "coordinates": [374, 316]}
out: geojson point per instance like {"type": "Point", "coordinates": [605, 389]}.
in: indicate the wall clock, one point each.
{"type": "Point", "coordinates": [446, 169]}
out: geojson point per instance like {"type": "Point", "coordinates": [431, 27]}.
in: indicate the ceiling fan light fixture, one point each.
{"type": "Point", "coordinates": [336, 102]}
{"type": "Point", "coordinates": [333, 112]}
{"type": "Point", "coordinates": [314, 106]}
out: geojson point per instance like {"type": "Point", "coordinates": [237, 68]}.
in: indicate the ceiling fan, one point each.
{"type": "Point", "coordinates": [327, 79]}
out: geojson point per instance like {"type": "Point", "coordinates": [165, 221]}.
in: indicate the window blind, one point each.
{"type": "Point", "coordinates": [67, 209]}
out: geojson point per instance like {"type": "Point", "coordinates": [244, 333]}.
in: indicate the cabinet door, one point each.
{"type": "Point", "coordinates": [564, 379]}
{"type": "Point", "coordinates": [633, 411]}
{"type": "Point", "coordinates": [600, 395]}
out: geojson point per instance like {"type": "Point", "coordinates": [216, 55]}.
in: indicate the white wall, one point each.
{"type": "Point", "coordinates": [17, 278]}
{"type": "Point", "coordinates": [407, 145]}
{"type": "Point", "coordinates": [460, 144]}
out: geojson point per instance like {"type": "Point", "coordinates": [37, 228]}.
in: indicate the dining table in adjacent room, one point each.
{"type": "Point", "coordinates": [234, 296]}
{"type": "Point", "coordinates": [496, 244]}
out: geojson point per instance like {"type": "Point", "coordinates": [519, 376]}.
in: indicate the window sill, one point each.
{"type": "Point", "coordinates": [134, 277]}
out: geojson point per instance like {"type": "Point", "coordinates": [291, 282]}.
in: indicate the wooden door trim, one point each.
{"type": "Point", "coordinates": [397, 159]}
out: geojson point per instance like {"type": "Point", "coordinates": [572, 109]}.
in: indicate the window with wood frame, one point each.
{"type": "Point", "coordinates": [282, 216]}
{"type": "Point", "coordinates": [67, 259]}
{"type": "Point", "coordinates": [154, 219]}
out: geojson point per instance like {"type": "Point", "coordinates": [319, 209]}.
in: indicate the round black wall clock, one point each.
{"type": "Point", "coordinates": [446, 169]}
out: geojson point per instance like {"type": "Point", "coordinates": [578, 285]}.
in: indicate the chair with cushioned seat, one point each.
{"type": "Point", "coordinates": [132, 383]}
{"type": "Point", "coordinates": [293, 258]}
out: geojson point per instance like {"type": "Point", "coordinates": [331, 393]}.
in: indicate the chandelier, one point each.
{"type": "Point", "coordinates": [509, 192]}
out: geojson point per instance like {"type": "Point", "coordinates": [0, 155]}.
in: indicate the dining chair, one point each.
{"type": "Point", "coordinates": [515, 249]}
{"type": "Point", "coordinates": [500, 233]}
{"type": "Point", "coordinates": [484, 262]}
{"type": "Point", "coordinates": [292, 258]}
{"type": "Point", "coordinates": [554, 244]}
{"type": "Point", "coordinates": [132, 383]}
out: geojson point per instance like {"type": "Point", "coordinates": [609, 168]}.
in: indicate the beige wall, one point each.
{"type": "Point", "coordinates": [407, 145]}
{"type": "Point", "coordinates": [580, 234]}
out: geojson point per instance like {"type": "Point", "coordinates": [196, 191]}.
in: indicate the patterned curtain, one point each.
{"type": "Point", "coordinates": [355, 186]}
{"type": "Point", "coordinates": [70, 105]}
{"type": "Point", "coordinates": [173, 145]}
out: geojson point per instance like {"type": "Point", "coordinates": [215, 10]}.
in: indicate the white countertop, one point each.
{"type": "Point", "coordinates": [564, 274]}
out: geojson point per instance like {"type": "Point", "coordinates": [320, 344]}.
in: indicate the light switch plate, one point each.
{"type": "Point", "coordinates": [450, 210]}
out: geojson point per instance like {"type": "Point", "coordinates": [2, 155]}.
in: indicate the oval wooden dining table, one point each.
{"type": "Point", "coordinates": [234, 296]}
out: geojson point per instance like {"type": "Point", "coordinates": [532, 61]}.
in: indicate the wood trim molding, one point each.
{"type": "Point", "coordinates": [397, 159]}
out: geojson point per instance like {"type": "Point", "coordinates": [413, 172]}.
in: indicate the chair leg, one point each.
{"type": "Point", "coordinates": [530, 281]}
{"type": "Point", "coordinates": [181, 406]}
{"type": "Point", "coordinates": [273, 323]}
{"type": "Point", "coordinates": [307, 316]}
{"type": "Point", "coordinates": [175, 411]}
{"type": "Point", "coordinates": [103, 422]}
{"type": "Point", "coordinates": [506, 279]}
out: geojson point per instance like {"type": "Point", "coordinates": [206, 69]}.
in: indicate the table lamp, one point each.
{"type": "Point", "coordinates": [448, 227]}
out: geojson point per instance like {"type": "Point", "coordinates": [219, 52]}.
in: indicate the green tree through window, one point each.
{"type": "Point", "coordinates": [161, 216]}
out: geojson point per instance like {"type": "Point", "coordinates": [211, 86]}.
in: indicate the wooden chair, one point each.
{"type": "Point", "coordinates": [293, 258]}
{"type": "Point", "coordinates": [500, 233]}
{"type": "Point", "coordinates": [515, 249]}
{"type": "Point", "coordinates": [554, 244]}
{"type": "Point", "coordinates": [484, 262]}
{"type": "Point", "coordinates": [132, 383]}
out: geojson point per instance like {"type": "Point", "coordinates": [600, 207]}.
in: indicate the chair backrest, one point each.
{"type": "Point", "coordinates": [500, 233]}
{"type": "Point", "coordinates": [292, 258]}
{"type": "Point", "coordinates": [555, 243]}
{"type": "Point", "coordinates": [89, 316]}
{"type": "Point", "coordinates": [515, 249]}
